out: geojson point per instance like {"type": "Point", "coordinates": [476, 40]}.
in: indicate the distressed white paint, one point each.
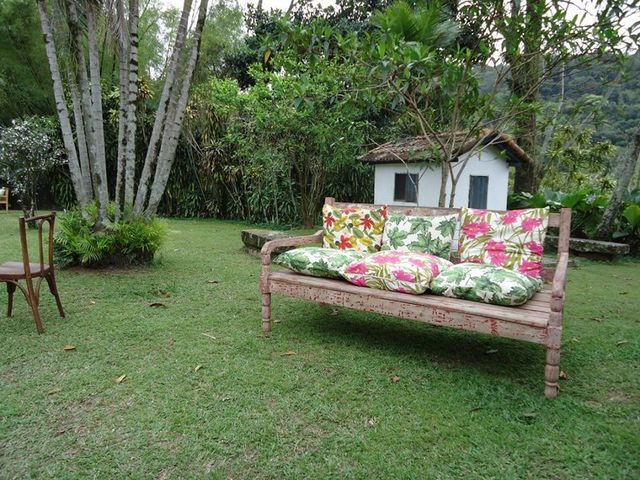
{"type": "Point", "coordinates": [487, 162]}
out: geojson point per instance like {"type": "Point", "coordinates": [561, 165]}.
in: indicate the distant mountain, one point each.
{"type": "Point", "coordinates": [600, 86]}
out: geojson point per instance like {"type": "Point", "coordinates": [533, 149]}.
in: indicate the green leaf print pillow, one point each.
{"type": "Point", "coordinates": [318, 261]}
{"type": "Point", "coordinates": [420, 234]}
{"type": "Point", "coordinates": [485, 283]}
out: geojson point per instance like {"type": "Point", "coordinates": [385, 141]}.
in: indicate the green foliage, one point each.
{"type": "Point", "coordinates": [575, 161]}
{"type": "Point", "coordinates": [29, 151]}
{"type": "Point", "coordinates": [127, 242]}
{"type": "Point", "coordinates": [271, 152]}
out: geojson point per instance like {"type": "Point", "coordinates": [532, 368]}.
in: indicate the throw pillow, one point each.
{"type": "Point", "coordinates": [512, 240]}
{"type": "Point", "coordinates": [407, 272]}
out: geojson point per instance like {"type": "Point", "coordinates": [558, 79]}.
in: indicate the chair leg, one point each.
{"type": "Point", "coordinates": [11, 288]}
{"type": "Point", "coordinates": [53, 288]}
{"type": "Point", "coordinates": [33, 301]}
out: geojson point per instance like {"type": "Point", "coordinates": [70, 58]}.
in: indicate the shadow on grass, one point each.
{"type": "Point", "coordinates": [518, 362]}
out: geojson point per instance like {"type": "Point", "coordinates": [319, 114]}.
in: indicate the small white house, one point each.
{"type": "Point", "coordinates": [402, 166]}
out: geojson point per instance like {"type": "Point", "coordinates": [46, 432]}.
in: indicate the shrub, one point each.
{"type": "Point", "coordinates": [29, 151]}
{"type": "Point", "coordinates": [131, 242]}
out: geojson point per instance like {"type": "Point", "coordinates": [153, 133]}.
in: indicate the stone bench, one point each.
{"type": "Point", "coordinates": [595, 249]}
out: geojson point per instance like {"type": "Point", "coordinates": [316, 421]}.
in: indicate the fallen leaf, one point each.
{"type": "Point", "coordinates": [198, 367]}
{"type": "Point", "coordinates": [624, 293]}
{"type": "Point", "coordinates": [622, 342]}
{"type": "Point", "coordinates": [277, 321]}
{"type": "Point", "coordinates": [92, 302]}
{"type": "Point", "coordinates": [475, 409]}
{"type": "Point", "coordinates": [121, 378]}
{"type": "Point", "coordinates": [563, 375]}
{"type": "Point", "coordinates": [213, 282]}
{"type": "Point", "coordinates": [54, 390]}
{"type": "Point", "coordinates": [334, 312]}
{"type": "Point", "coordinates": [529, 415]}
{"type": "Point", "coordinates": [490, 352]}
{"type": "Point", "coordinates": [69, 348]}
{"type": "Point", "coordinates": [157, 305]}
{"type": "Point", "coordinates": [597, 319]}
{"type": "Point", "coordinates": [207, 335]}
{"type": "Point", "coordinates": [394, 379]}
{"type": "Point", "coordinates": [288, 354]}
{"type": "Point", "coordinates": [371, 422]}
{"type": "Point", "coordinates": [164, 293]}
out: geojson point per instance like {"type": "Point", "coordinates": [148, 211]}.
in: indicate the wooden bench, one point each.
{"type": "Point", "coordinates": [537, 321]}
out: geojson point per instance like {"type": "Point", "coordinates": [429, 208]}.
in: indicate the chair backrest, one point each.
{"type": "Point", "coordinates": [40, 220]}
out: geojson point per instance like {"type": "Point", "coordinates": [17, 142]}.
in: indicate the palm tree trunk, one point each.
{"type": "Point", "coordinates": [167, 154]}
{"type": "Point", "coordinates": [132, 100]}
{"type": "Point", "coordinates": [61, 106]}
{"type": "Point", "coordinates": [100, 166]}
{"type": "Point", "coordinates": [161, 115]}
{"type": "Point", "coordinates": [81, 100]}
{"type": "Point", "coordinates": [122, 111]}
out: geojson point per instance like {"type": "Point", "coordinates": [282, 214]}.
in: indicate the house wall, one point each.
{"type": "Point", "coordinates": [487, 162]}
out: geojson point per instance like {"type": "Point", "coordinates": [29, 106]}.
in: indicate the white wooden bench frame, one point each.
{"type": "Point", "coordinates": [538, 321]}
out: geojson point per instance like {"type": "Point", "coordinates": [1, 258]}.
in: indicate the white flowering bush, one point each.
{"type": "Point", "coordinates": [29, 150]}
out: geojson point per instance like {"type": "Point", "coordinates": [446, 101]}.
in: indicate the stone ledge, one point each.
{"type": "Point", "coordinates": [254, 239]}
{"type": "Point", "coordinates": [590, 248]}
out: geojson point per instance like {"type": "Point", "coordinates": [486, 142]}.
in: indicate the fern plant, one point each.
{"type": "Point", "coordinates": [127, 242]}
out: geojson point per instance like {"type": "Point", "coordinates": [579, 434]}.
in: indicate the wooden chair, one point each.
{"type": "Point", "coordinates": [4, 198]}
{"type": "Point", "coordinates": [12, 273]}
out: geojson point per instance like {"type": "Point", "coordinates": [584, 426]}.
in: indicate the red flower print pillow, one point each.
{"type": "Point", "coordinates": [398, 271]}
{"type": "Point", "coordinates": [353, 228]}
{"type": "Point", "coordinates": [513, 239]}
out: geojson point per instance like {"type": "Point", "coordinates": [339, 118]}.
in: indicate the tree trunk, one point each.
{"type": "Point", "coordinates": [123, 54]}
{"type": "Point", "coordinates": [525, 85]}
{"type": "Point", "coordinates": [624, 176]}
{"type": "Point", "coordinates": [444, 177]}
{"type": "Point", "coordinates": [61, 106]}
{"type": "Point", "coordinates": [100, 166]}
{"type": "Point", "coordinates": [132, 100]}
{"type": "Point", "coordinates": [167, 153]}
{"type": "Point", "coordinates": [161, 114]}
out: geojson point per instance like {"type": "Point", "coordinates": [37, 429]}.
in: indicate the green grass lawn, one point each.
{"type": "Point", "coordinates": [464, 406]}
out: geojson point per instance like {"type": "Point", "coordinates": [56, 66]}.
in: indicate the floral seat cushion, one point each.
{"type": "Point", "coordinates": [318, 261]}
{"type": "Point", "coordinates": [353, 228]}
{"type": "Point", "coordinates": [406, 272]}
{"type": "Point", "coordinates": [486, 283]}
{"type": "Point", "coordinates": [420, 234]}
{"type": "Point", "coordinates": [513, 239]}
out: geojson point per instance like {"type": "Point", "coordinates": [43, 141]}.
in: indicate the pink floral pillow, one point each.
{"type": "Point", "coordinates": [407, 272]}
{"type": "Point", "coordinates": [513, 239]}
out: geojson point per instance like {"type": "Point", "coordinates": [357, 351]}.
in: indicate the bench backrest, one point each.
{"type": "Point", "coordinates": [561, 221]}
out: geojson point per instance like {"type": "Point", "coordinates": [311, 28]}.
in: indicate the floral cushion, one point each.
{"type": "Point", "coordinates": [353, 228]}
{"type": "Point", "coordinates": [485, 283]}
{"type": "Point", "coordinates": [317, 261]}
{"type": "Point", "coordinates": [512, 240]}
{"type": "Point", "coordinates": [420, 234]}
{"type": "Point", "coordinates": [407, 272]}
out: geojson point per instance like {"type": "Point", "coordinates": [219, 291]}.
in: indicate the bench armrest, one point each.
{"type": "Point", "coordinates": [559, 282]}
{"type": "Point", "coordinates": [269, 247]}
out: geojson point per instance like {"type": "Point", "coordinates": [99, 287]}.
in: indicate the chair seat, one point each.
{"type": "Point", "coordinates": [15, 270]}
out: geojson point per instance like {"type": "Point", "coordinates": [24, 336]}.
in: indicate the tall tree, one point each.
{"type": "Point", "coordinates": [85, 144]}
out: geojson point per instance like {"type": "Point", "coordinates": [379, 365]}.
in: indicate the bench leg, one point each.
{"type": "Point", "coordinates": [266, 312]}
{"type": "Point", "coordinates": [552, 373]}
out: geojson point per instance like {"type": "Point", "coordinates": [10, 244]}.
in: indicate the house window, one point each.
{"type": "Point", "coordinates": [406, 187]}
{"type": "Point", "coordinates": [478, 190]}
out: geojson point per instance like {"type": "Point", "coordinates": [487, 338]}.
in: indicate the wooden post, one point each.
{"type": "Point", "coordinates": [554, 330]}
